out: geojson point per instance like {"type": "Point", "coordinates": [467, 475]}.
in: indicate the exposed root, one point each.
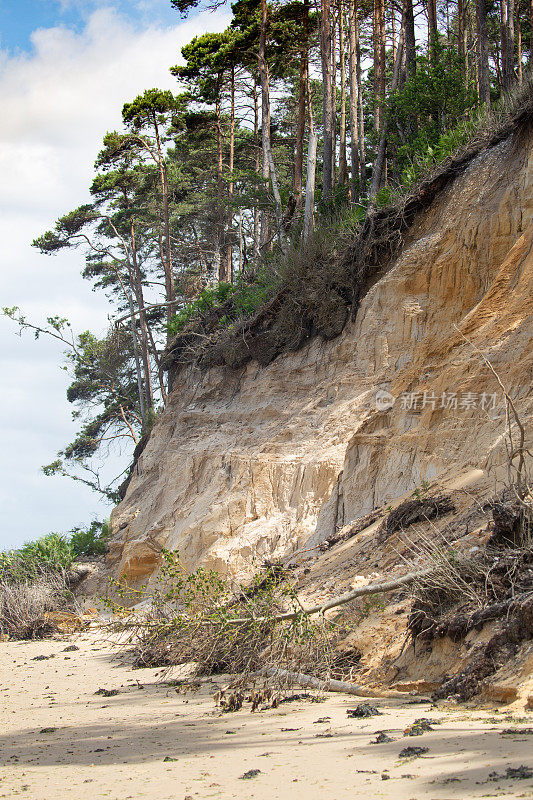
{"type": "Point", "coordinates": [516, 626]}
{"type": "Point", "coordinates": [500, 591]}
{"type": "Point", "coordinates": [415, 510]}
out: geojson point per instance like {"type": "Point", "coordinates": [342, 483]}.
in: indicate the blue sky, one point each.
{"type": "Point", "coordinates": [20, 18]}
{"type": "Point", "coordinates": [66, 69]}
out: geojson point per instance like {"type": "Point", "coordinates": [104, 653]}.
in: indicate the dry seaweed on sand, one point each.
{"type": "Point", "coordinates": [381, 738]}
{"type": "Point", "coordinates": [412, 752]}
{"type": "Point", "coordinates": [420, 726]}
{"type": "Point", "coordinates": [363, 710]}
{"type": "Point", "coordinates": [520, 773]}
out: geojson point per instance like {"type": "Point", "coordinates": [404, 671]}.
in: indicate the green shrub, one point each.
{"type": "Point", "coordinates": [423, 112]}
{"type": "Point", "coordinates": [53, 553]}
{"type": "Point", "coordinates": [209, 298]}
{"type": "Point", "coordinates": [91, 541]}
{"type": "Point", "coordinates": [384, 197]}
{"type": "Point", "coordinates": [50, 553]}
{"type": "Point", "coordinates": [242, 298]}
{"type": "Point", "coordinates": [248, 297]}
{"type": "Point", "coordinates": [53, 549]}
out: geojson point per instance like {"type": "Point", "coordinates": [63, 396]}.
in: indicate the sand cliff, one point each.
{"type": "Point", "coordinates": [251, 463]}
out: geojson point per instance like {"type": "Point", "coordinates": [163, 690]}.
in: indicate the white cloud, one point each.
{"type": "Point", "coordinates": [57, 103]}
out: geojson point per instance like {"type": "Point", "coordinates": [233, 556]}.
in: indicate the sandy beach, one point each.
{"type": "Point", "coordinates": [61, 739]}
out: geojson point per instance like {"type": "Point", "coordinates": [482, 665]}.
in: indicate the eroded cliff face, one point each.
{"type": "Point", "coordinates": [251, 464]}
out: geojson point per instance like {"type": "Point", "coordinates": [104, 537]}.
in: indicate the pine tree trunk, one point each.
{"type": "Point", "coordinates": [393, 32]}
{"type": "Point", "coordinates": [139, 297]}
{"type": "Point", "coordinates": [504, 43]}
{"type": "Point", "coordinates": [380, 163]}
{"type": "Point", "coordinates": [432, 28]}
{"type": "Point", "coordinates": [140, 388]}
{"type": "Point", "coordinates": [333, 95]}
{"type": "Point", "coordinates": [460, 29]}
{"type": "Point", "coordinates": [133, 328]}
{"type": "Point", "coordinates": [160, 373]}
{"type": "Point", "coordinates": [378, 30]}
{"type": "Point", "coordinates": [510, 43]}
{"type": "Point", "coordinates": [257, 166]}
{"type": "Point", "coordinates": [268, 161]}
{"type": "Point", "coordinates": [362, 149]}
{"type": "Point", "coordinates": [471, 45]}
{"type": "Point", "coordinates": [220, 193]}
{"type": "Point", "coordinates": [519, 46]}
{"type": "Point", "coordinates": [325, 52]}
{"type": "Point", "coordinates": [483, 52]}
{"type": "Point", "coordinates": [300, 132]}
{"type": "Point", "coordinates": [167, 261]}
{"type": "Point", "coordinates": [531, 34]}
{"type": "Point", "coordinates": [241, 243]}
{"type": "Point", "coordinates": [265, 115]}
{"type": "Point", "coordinates": [408, 21]}
{"type": "Point", "coordinates": [343, 166]}
{"type": "Point", "coordinates": [382, 33]}
{"type": "Point", "coordinates": [375, 51]}
{"type": "Point", "coordinates": [229, 244]}
{"type": "Point", "coordinates": [354, 103]}
{"type": "Point", "coordinates": [300, 127]}
{"type": "Point", "coordinates": [311, 169]}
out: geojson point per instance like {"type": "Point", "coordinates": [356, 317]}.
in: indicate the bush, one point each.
{"type": "Point", "coordinates": [209, 298]}
{"type": "Point", "coordinates": [49, 554]}
{"type": "Point", "coordinates": [24, 605]}
{"type": "Point", "coordinates": [52, 550]}
{"type": "Point", "coordinates": [91, 541]}
{"type": "Point", "coordinates": [53, 553]}
{"type": "Point", "coordinates": [248, 296]}
{"type": "Point", "coordinates": [239, 299]}
{"type": "Point", "coordinates": [425, 110]}
{"type": "Point", "coordinates": [34, 579]}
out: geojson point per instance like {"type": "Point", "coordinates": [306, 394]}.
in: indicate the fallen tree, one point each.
{"type": "Point", "coordinates": [335, 602]}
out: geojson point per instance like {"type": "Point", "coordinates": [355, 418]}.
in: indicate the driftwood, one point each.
{"type": "Point", "coordinates": [326, 685]}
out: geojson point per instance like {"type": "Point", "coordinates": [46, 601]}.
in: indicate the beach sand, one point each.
{"type": "Point", "coordinates": [59, 739]}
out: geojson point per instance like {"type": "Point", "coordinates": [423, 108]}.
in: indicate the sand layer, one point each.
{"type": "Point", "coordinates": [60, 739]}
